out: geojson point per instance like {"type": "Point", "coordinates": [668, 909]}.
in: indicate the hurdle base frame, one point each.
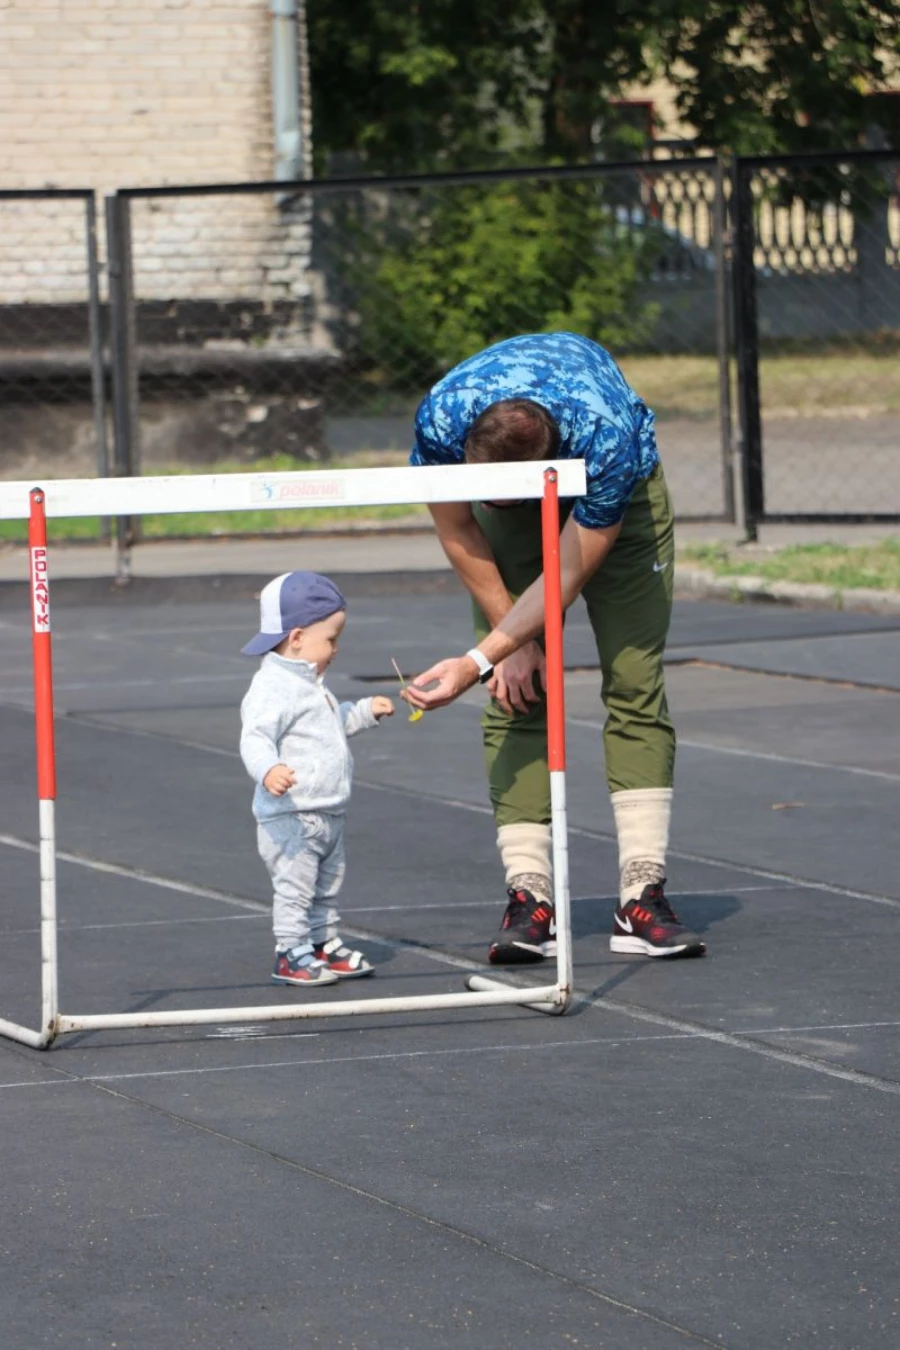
{"type": "Point", "coordinates": [546, 481]}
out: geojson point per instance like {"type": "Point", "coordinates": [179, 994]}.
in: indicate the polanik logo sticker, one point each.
{"type": "Point", "coordinates": [40, 590]}
{"type": "Point", "coordinates": [300, 492]}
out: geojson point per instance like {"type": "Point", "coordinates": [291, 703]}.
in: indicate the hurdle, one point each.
{"type": "Point", "coordinates": [547, 481]}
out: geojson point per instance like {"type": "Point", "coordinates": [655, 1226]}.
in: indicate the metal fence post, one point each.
{"type": "Point", "coordinates": [124, 367]}
{"type": "Point", "coordinates": [747, 346]}
{"type": "Point", "coordinates": [721, 245]}
{"type": "Point", "coordinates": [95, 329]}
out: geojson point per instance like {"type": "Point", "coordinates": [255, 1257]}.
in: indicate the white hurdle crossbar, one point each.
{"type": "Point", "coordinates": [546, 481]}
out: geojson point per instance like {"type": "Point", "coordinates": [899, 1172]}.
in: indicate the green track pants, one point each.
{"type": "Point", "coordinates": [629, 604]}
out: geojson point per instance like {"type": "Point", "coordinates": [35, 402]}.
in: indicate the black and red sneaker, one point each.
{"type": "Point", "coordinates": [528, 931]}
{"type": "Point", "coordinates": [650, 927]}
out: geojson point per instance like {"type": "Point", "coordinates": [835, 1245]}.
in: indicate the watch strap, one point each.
{"type": "Point", "coordinates": [485, 667]}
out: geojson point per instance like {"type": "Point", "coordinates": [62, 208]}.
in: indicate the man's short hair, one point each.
{"type": "Point", "coordinates": [514, 428]}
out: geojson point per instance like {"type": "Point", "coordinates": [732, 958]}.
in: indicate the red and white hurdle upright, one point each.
{"type": "Point", "coordinates": [548, 481]}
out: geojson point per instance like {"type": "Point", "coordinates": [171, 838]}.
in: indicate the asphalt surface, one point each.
{"type": "Point", "coordinates": [700, 1153]}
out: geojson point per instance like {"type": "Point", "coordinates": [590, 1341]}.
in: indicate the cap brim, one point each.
{"type": "Point", "coordinates": [262, 643]}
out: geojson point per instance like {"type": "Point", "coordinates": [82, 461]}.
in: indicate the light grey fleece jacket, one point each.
{"type": "Point", "coordinates": [289, 717]}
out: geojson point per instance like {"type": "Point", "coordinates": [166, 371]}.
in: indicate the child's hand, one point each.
{"type": "Point", "coordinates": [279, 779]}
{"type": "Point", "coordinates": [382, 707]}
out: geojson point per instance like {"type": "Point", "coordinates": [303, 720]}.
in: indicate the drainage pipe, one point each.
{"type": "Point", "coordinates": [291, 144]}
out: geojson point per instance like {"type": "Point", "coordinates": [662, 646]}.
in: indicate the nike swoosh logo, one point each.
{"type": "Point", "coordinates": [658, 567]}
{"type": "Point", "coordinates": [624, 923]}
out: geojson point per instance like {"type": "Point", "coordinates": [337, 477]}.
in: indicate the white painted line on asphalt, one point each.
{"type": "Point", "coordinates": [746, 1041]}
{"type": "Point", "coordinates": [139, 923]}
{"type": "Point", "coordinates": [43, 1082]}
{"type": "Point", "coordinates": [588, 899]}
{"type": "Point", "coordinates": [607, 1004]}
{"type": "Point", "coordinates": [824, 1026]}
{"type": "Point", "coordinates": [94, 721]}
{"type": "Point", "coordinates": [788, 759]}
{"type": "Point", "coordinates": [70, 686]}
{"type": "Point", "coordinates": [135, 634]}
{"type": "Point", "coordinates": [193, 653]}
{"type": "Point", "coordinates": [250, 1032]}
{"type": "Point", "coordinates": [477, 807]}
{"type": "Point", "coordinates": [416, 793]}
{"type": "Point", "coordinates": [741, 1041]}
{"type": "Point", "coordinates": [693, 745]}
{"type": "Point", "coordinates": [891, 902]}
{"type": "Point", "coordinates": [732, 1039]}
{"type": "Point", "coordinates": [148, 878]}
{"type": "Point", "coordinates": [199, 630]}
{"type": "Point", "coordinates": [347, 910]}
{"type": "Point", "coordinates": [327, 1060]}
{"type": "Point", "coordinates": [724, 864]}
{"type": "Point", "coordinates": [118, 634]}
{"type": "Point", "coordinates": [712, 748]}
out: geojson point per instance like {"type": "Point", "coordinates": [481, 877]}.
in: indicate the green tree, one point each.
{"type": "Point", "coordinates": [441, 273]}
{"type": "Point", "coordinates": [406, 86]}
{"type": "Point", "coordinates": [779, 75]}
{"type": "Point", "coordinates": [456, 83]}
{"type": "Point", "coordinates": [420, 282]}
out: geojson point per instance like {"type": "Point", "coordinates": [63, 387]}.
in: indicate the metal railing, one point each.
{"type": "Point", "coordinates": [290, 323]}
{"type": "Point", "coordinates": [817, 307]}
{"type": "Point", "coordinates": [51, 334]}
{"type": "Point", "coordinates": [308, 319]}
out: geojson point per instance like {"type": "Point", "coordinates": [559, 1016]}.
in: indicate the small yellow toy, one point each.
{"type": "Point", "coordinates": [416, 713]}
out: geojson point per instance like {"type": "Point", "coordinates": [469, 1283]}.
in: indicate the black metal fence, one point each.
{"type": "Point", "coordinates": [817, 310]}
{"type": "Point", "coordinates": [289, 323]}
{"type": "Point", "coordinates": [309, 324]}
{"type": "Point", "coordinates": [52, 398]}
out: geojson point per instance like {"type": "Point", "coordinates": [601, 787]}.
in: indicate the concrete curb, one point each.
{"type": "Point", "coordinates": [696, 584]}
{"type": "Point", "coordinates": [690, 584]}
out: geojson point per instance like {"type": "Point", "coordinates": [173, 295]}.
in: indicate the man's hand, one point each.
{"type": "Point", "coordinates": [279, 780]}
{"type": "Point", "coordinates": [453, 678]}
{"type": "Point", "coordinates": [582, 551]}
{"type": "Point", "coordinates": [512, 683]}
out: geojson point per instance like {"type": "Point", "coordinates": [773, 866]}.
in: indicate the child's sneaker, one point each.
{"type": "Point", "coordinates": [296, 966]}
{"type": "Point", "coordinates": [341, 961]}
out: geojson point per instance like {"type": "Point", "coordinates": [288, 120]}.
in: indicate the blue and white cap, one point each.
{"type": "Point", "coordinates": [293, 600]}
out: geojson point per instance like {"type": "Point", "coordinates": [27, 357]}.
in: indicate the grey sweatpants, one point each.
{"type": "Point", "coordinates": [304, 853]}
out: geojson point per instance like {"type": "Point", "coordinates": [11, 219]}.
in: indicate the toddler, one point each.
{"type": "Point", "coordinates": [294, 745]}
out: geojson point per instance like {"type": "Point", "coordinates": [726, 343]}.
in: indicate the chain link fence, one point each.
{"type": "Point", "coordinates": [307, 324]}
{"type": "Point", "coordinates": [289, 324]}
{"type": "Point", "coordinates": [819, 341]}
{"type": "Point", "coordinates": [52, 417]}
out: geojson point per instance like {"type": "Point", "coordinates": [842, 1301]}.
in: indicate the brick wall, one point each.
{"type": "Point", "coordinates": [113, 93]}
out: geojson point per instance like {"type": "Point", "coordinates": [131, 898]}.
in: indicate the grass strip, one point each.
{"type": "Point", "coordinates": [874, 566]}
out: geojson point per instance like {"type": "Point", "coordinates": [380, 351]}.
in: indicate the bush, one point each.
{"type": "Point", "coordinates": [434, 276]}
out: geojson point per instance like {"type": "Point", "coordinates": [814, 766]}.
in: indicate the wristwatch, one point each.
{"type": "Point", "coordinates": [485, 667]}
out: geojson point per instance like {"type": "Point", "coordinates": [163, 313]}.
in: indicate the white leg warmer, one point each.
{"type": "Point", "coordinates": [526, 854]}
{"type": "Point", "coordinates": [642, 827]}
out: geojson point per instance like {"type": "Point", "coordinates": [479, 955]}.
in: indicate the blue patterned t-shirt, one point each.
{"type": "Point", "coordinates": [600, 418]}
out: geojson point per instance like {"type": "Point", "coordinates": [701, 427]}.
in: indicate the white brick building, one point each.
{"type": "Point", "coordinates": [112, 93]}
